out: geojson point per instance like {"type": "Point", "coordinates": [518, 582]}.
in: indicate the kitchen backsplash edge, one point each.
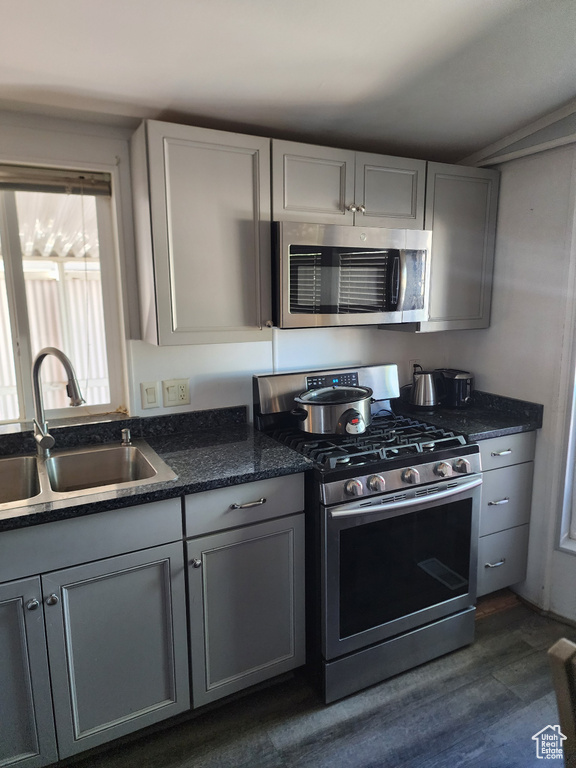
{"type": "Point", "coordinates": [99, 431]}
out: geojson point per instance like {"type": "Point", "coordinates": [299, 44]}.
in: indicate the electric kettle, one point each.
{"type": "Point", "coordinates": [427, 388]}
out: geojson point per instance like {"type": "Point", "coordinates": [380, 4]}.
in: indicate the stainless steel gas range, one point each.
{"type": "Point", "coordinates": [392, 527]}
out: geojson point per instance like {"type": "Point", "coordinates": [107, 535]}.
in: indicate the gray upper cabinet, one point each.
{"type": "Point", "coordinates": [27, 737]}
{"type": "Point", "coordinates": [461, 208]}
{"type": "Point", "coordinates": [202, 211]}
{"type": "Point", "coordinates": [324, 185]}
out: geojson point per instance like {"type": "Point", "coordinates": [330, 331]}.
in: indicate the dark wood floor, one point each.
{"type": "Point", "coordinates": [477, 707]}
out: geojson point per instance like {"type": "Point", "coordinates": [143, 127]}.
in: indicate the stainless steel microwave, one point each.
{"type": "Point", "coordinates": [330, 275]}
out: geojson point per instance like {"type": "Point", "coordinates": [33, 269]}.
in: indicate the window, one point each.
{"type": "Point", "coordinates": [59, 288]}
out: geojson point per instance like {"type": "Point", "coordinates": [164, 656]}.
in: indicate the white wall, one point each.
{"type": "Point", "coordinates": [522, 353]}
{"type": "Point", "coordinates": [221, 374]}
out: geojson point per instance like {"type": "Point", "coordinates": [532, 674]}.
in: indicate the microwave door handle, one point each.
{"type": "Point", "coordinates": [393, 284]}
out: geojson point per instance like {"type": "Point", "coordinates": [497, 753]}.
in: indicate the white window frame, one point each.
{"type": "Point", "coordinates": [112, 307]}
{"type": "Point", "coordinates": [564, 479]}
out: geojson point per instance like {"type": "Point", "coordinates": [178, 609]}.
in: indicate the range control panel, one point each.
{"type": "Point", "coordinates": [349, 379]}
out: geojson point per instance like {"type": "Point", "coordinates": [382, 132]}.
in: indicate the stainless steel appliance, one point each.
{"type": "Point", "coordinates": [392, 527]}
{"type": "Point", "coordinates": [427, 388]}
{"type": "Point", "coordinates": [458, 388]}
{"type": "Point", "coordinates": [328, 275]}
{"type": "Point", "coordinates": [334, 409]}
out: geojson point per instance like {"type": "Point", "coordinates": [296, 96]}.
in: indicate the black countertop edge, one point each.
{"type": "Point", "coordinates": [489, 416]}
{"type": "Point", "coordinates": [205, 460]}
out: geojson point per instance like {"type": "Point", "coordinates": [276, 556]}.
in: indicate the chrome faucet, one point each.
{"type": "Point", "coordinates": [43, 438]}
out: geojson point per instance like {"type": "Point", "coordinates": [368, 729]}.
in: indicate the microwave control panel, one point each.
{"type": "Point", "coordinates": [332, 380]}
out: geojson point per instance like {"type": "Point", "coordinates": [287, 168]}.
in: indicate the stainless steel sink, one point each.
{"type": "Point", "coordinates": [18, 479]}
{"type": "Point", "coordinates": [99, 467]}
{"type": "Point", "coordinates": [88, 473]}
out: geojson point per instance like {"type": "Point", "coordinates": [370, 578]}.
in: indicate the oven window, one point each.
{"type": "Point", "coordinates": [328, 280]}
{"type": "Point", "coordinates": [392, 568]}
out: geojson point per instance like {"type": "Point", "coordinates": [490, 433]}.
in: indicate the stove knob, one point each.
{"type": "Point", "coordinates": [411, 475]}
{"type": "Point", "coordinates": [443, 469]}
{"type": "Point", "coordinates": [462, 466]}
{"type": "Point", "coordinates": [354, 488]}
{"type": "Point", "coordinates": [376, 483]}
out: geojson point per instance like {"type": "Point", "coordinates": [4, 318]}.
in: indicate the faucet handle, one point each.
{"type": "Point", "coordinates": [42, 436]}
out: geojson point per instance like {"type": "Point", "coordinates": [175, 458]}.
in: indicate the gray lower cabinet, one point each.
{"type": "Point", "coordinates": [117, 646]}
{"type": "Point", "coordinates": [246, 589]}
{"type": "Point", "coordinates": [505, 510]}
{"type": "Point", "coordinates": [27, 737]}
{"type": "Point", "coordinates": [96, 648]}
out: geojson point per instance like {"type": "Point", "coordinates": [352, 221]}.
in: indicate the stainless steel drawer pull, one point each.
{"type": "Point", "coordinates": [507, 452]}
{"type": "Point", "coordinates": [248, 504]}
{"type": "Point", "coordinates": [32, 604]}
{"type": "Point", "coordinates": [505, 500]}
{"type": "Point", "coordinates": [495, 565]}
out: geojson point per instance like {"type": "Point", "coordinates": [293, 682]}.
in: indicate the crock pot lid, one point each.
{"type": "Point", "coordinates": [334, 395]}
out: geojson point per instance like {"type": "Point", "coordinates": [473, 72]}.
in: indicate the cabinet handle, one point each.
{"type": "Point", "coordinates": [52, 599]}
{"type": "Point", "coordinates": [495, 565]}
{"type": "Point", "coordinates": [353, 208]}
{"type": "Point", "coordinates": [507, 452]}
{"type": "Point", "coordinates": [248, 504]}
{"type": "Point", "coordinates": [361, 209]}
{"type": "Point", "coordinates": [196, 563]}
{"type": "Point", "coordinates": [505, 500]}
{"type": "Point", "coordinates": [32, 604]}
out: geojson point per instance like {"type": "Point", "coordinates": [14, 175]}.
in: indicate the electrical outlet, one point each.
{"type": "Point", "coordinates": [411, 364]}
{"type": "Point", "coordinates": [175, 392]}
{"type": "Point", "coordinates": [149, 396]}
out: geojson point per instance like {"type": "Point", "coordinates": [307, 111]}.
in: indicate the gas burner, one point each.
{"type": "Point", "coordinates": [387, 438]}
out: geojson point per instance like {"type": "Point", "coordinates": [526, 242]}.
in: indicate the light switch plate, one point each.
{"type": "Point", "coordinates": [175, 392]}
{"type": "Point", "coordinates": [149, 394]}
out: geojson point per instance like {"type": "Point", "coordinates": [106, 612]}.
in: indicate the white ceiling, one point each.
{"type": "Point", "coordinates": [437, 79]}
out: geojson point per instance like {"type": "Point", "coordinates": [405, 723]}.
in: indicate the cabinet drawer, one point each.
{"type": "Point", "coordinates": [504, 451]}
{"type": "Point", "coordinates": [243, 504]}
{"type": "Point", "coordinates": [506, 497]}
{"type": "Point", "coordinates": [63, 543]}
{"type": "Point", "coordinates": [510, 548]}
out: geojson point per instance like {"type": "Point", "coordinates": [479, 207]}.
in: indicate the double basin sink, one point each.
{"type": "Point", "coordinates": [73, 474]}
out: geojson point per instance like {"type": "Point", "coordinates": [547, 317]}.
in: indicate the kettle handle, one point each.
{"type": "Point", "coordinates": [440, 384]}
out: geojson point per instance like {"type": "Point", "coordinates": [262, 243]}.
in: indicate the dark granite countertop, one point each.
{"type": "Point", "coordinates": [489, 416]}
{"type": "Point", "coordinates": [215, 453]}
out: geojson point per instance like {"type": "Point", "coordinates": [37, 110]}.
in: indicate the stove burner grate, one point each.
{"type": "Point", "coordinates": [388, 437]}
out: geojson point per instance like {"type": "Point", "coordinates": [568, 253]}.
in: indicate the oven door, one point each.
{"type": "Point", "coordinates": [398, 563]}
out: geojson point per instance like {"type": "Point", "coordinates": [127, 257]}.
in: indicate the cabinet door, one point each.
{"type": "Point", "coordinates": [26, 723]}
{"type": "Point", "coordinates": [246, 606]}
{"type": "Point", "coordinates": [461, 206]}
{"type": "Point", "coordinates": [311, 183]}
{"type": "Point", "coordinates": [210, 213]}
{"type": "Point", "coordinates": [391, 190]}
{"type": "Point", "coordinates": [117, 645]}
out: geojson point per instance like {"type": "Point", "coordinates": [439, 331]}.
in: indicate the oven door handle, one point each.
{"type": "Point", "coordinates": [393, 506]}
